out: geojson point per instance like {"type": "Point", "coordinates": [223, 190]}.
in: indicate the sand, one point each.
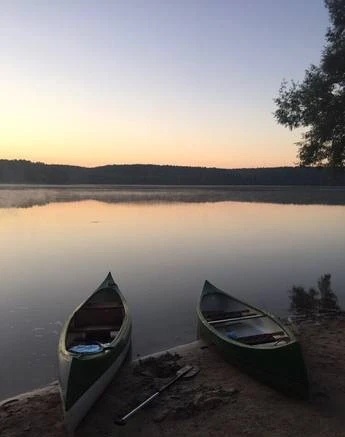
{"type": "Point", "coordinates": [219, 401]}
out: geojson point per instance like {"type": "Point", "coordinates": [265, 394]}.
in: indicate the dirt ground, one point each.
{"type": "Point", "coordinates": [220, 400]}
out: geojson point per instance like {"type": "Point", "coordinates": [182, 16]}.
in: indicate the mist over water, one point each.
{"type": "Point", "coordinates": [58, 244]}
{"type": "Point", "coordinates": [26, 196]}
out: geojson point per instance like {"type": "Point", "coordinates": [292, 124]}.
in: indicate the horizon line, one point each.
{"type": "Point", "coordinates": [156, 165]}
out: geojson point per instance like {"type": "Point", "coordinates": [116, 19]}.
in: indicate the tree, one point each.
{"type": "Point", "coordinates": [303, 302]}
{"type": "Point", "coordinates": [329, 300]}
{"type": "Point", "coordinates": [314, 301]}
{"type": "Point", "coordinates": [318, 103]}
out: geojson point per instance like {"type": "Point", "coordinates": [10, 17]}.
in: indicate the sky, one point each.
{"type": "Point", "coordinates": [181, 82]}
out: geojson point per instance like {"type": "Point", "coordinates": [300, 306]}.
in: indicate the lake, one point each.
{"type": "Point", "coordinates": [160, 243]}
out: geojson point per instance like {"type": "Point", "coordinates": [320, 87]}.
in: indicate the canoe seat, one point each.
{"type": "Point", "coordinates": [86, 317]}
{"type": "Point", "coordinates": [235, 319]}
{"type": "Point", "coordinates": [95, 328]}
{"type": "Point", "coordinates": [217, 315]}
{"type": "Point", "coordinates": [101, 333]}
{"type": "Point", "coordinates": [103, 305]}
{"type": "Point", "coordinates": [263, 338]}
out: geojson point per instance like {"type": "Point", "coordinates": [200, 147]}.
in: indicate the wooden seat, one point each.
{"type": "Point", "coordinates": [218, 315]}
{"type": "Point", "coordinates": [262, 338]}
{"type": "Point", "coordinates": [103, 305]}
{"type": "Point", "coordinates": [95, 328]}
{"type": "Point", "coordinates": [98, 317]}
{"type": "Point", "coordinates": [236, 319]}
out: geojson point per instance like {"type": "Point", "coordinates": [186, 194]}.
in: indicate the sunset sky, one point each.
{"type": "Point", "coordinates": [185, 82]}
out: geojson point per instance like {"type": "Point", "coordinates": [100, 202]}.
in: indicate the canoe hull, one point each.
{"type": "Point", "coordinates": [83, 377]}
{"type": "Point", "coordinates": [77, 412]}
{"type": "Point", "coordinates": [281, 366]}
{"type": "Point", "coordinates": [283, 370]}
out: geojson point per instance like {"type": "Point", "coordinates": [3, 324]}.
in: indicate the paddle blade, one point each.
{"type": "Point", "coordinates": [192, 372]}
{"type": "Point", "coordinates": [184, 370]}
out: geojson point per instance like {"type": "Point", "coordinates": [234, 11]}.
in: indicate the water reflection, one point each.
{"type": "Point", "coordinates": [26, 196]}
{"type": "Point", "coordinates": [160, 253]}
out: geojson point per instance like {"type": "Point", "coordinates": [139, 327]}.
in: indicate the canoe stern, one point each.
{"type": "Point", "coordinates": [282, 368]}
{"type": "Point", "coordinates": [84, 377]}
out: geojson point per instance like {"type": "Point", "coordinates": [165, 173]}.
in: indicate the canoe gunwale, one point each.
{"type": "Point", "coordinates": [216, 332]}
{"type": "Point", "coordinates": [125, 326]}
{"type": "Point", "coordinates": [83, 377]}
{"type": "Point", "coordinates": [281, 367]}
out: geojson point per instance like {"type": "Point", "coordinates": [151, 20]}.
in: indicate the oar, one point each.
{"type": "Point", "coordinates": [186, 372]}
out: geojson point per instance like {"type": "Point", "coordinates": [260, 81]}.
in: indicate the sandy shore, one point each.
{"type": "Point", "coordinates": [220, 400]}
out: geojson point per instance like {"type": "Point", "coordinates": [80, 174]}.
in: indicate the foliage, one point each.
{"type": "Point", "coordinates": [328, 299]}
{"type": "Point", "coordinates": [26, 172]}
{"type": "Point", "coordinates": [303, 302]}
{"type": "Point", "coordinates": [313, 301]}
{"type": "Point", "coordinates": [318, 103]}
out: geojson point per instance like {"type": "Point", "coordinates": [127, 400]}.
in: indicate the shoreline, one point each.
{"type": "Point", "coordinates": [52, 387]}
{"type": "Point", "coordinates": [218, 400]}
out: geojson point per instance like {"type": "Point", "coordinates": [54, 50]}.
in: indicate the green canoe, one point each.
{"type": "Point", "coordinates": [252, 339]}
{"type": "Point", "coordinates": [93, 345]}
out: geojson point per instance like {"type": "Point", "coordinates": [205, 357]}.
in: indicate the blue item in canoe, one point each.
{"type": "Point", "coordinates": [86, 349]}
{"type": "Point", "coordinates": [232, 334]}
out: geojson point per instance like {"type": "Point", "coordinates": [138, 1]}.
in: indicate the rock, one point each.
{"type": "Point", "coordinates": [207, 398]}
{"type": "Point", "coordinates": [7, 404]}
{"type": "Point", "coordinates": [163, 366]}
{"type": "Point", "coordinates": [145, 373]}
{"type": "Point", "coordinates": [197, 399]}
{"type": "Point", "coordinates": [182, 413]}
{"type": "Point", "coordinates": [160, 415]}
{"type": "Point", "coordinates": [233, 391]}
{"type": "Point", "coordinates": [211, 403]}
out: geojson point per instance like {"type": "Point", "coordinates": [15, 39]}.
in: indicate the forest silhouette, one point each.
{"type": "Point", "coordinates": [27, 172]}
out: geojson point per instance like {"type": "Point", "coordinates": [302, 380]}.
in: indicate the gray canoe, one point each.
{"type": "Point", "coordinates": [93, 345]}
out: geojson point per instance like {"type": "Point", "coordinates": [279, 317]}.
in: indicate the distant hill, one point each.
{"type": "Point", "coordinates": [27, 172]}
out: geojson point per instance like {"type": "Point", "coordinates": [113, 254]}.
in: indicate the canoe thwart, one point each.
{"type": "Point", "coordinates": [96, 328]}
{"type": "Point", "coordinates": [236, 319]}
{"type": "Point", "coordinates": [215, 315]}
{"type": "Point", "coordinates": [262, 338]}
{"type": "Point", "coordinates": [103, 305]}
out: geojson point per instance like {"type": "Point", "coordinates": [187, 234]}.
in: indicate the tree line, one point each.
{"type": "Point", "coordinates": [315, 301]}
{"type": "Point", "coordinates": [27, 172]}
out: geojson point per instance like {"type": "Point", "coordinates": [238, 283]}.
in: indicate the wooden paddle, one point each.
{"type": "Point", "coordinates": [185, 372]}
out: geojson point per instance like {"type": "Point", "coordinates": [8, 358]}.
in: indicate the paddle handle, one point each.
{"type": "Point", "coordinates": [131, 413]}
{"type": "Point", "coordinates": [181, 372]}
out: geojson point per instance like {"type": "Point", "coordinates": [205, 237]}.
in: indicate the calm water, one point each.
{"type": "Point", "coordinates": [58, 244]}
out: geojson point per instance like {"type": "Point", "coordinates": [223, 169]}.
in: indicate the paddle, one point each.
{"type": "Point", "coordinates": [185, 372]}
